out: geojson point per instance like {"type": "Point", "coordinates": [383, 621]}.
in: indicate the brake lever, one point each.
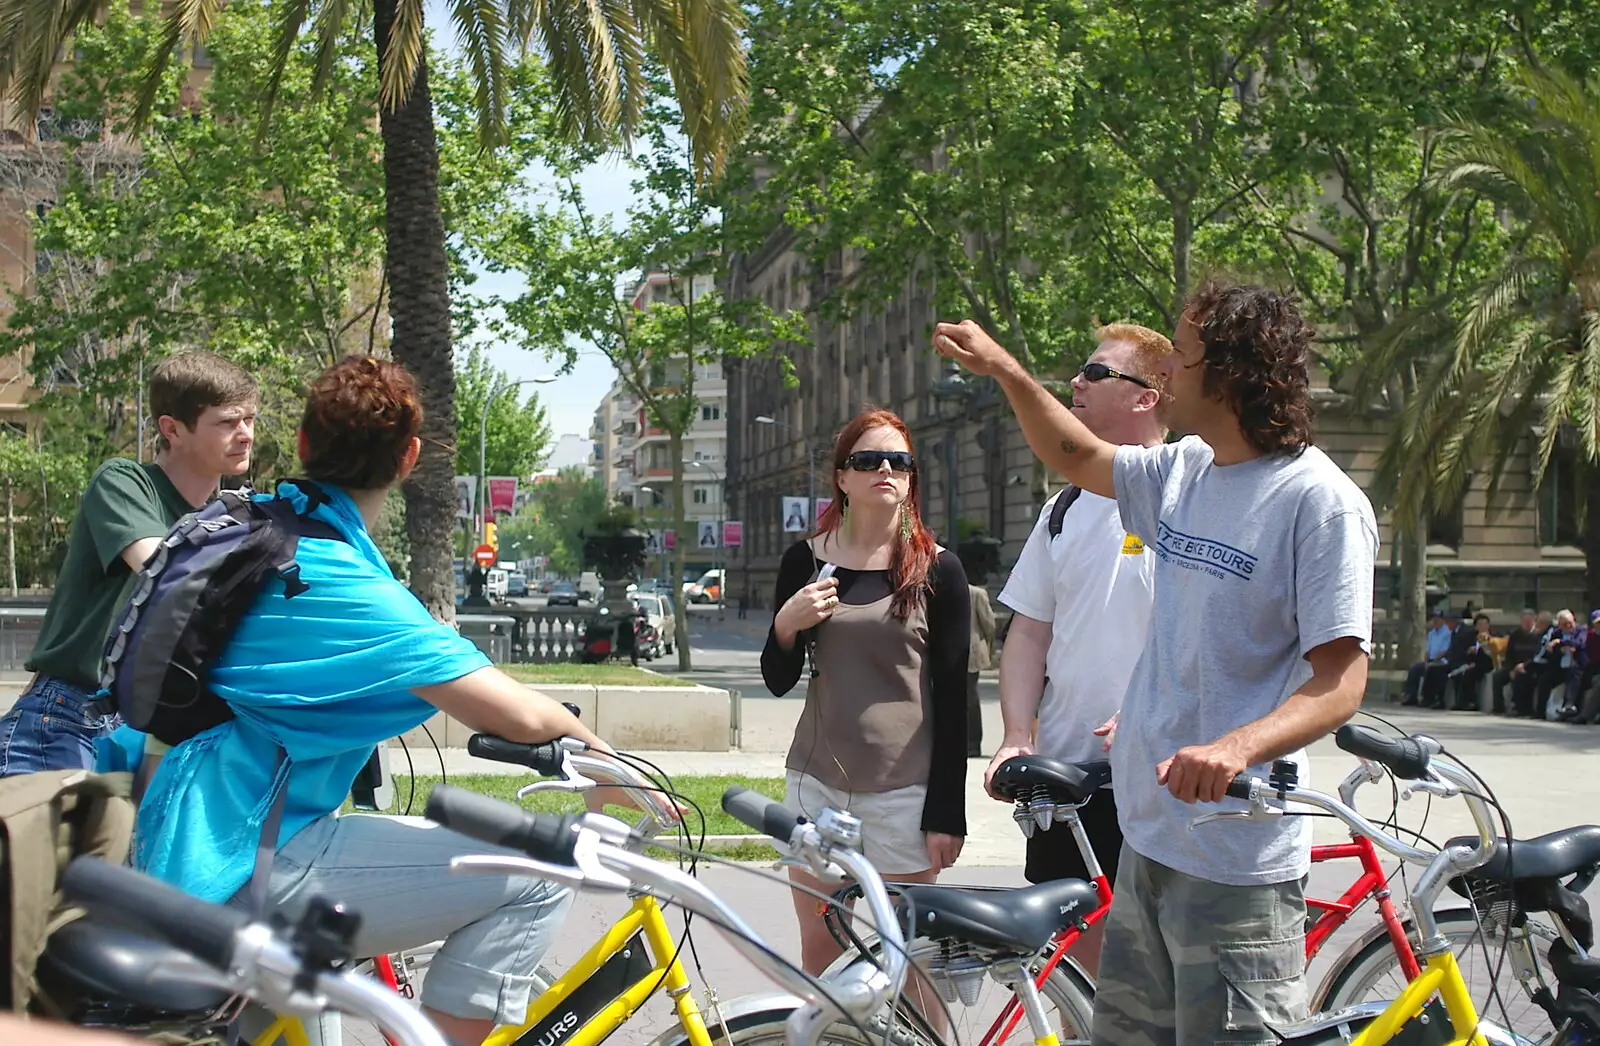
{"type": "Point", "coordinates": [571, 780]}
{"type": "Point", "coordinates": [1443, 789]}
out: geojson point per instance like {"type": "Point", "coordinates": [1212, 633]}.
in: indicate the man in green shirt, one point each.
{"type": "Point", "coordinates": [205, 413]}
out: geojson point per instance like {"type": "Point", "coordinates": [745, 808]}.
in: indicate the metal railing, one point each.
{"type": "Point", "coordinates": [19, 631]}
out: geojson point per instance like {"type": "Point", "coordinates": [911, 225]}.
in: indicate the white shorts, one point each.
{"type": "Point", "coordinates": [891, 822]}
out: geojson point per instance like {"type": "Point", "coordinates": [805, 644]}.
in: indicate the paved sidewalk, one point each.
{"type": "Point", "coordinates": [1541, 772]}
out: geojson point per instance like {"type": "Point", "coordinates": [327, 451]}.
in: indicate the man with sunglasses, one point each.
{"type": "Point", "coordinates": [1264, 558]}
{"type": "Point", "coordinates": [1081, 592]}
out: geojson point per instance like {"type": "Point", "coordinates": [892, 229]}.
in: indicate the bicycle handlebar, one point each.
{"type": "Point", "coordinates": [761, 812]}
{"type": "Point", "coordinates": [545, 838]}
{"type": "Point", "coordinates": [283, 973]}
{"type": "Point", "coordinates": [206, 931]}
{"type": "Point", "coordinates": [579, 768]}
{"type": "Point", "coordinates": [1405, 757]}
{"type": "Point", "coordinates": [543, 759]}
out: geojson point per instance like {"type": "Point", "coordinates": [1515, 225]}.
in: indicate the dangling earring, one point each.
{"type": "Point", "coordinates": [905, 524]}
{"type": "Point", "coordinates": [844, 515]}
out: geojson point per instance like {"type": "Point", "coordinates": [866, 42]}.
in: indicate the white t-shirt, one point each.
{"type": "Point", "coordinates": [1257, 564]}
{"type": "Point", "coordinates": [1094, 584]}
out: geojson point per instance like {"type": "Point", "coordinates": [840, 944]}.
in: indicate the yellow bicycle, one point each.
{"type": "Point", "coordinates": [1436, 1007]}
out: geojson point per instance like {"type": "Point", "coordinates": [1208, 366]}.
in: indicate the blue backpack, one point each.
{"type": "Point", "coordinates": [188, 600]}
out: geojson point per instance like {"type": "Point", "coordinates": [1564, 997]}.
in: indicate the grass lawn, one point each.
{"type": "Point", "coordinates": [595, 675]}
{"type": "Point", "coordinates": [706, 792]}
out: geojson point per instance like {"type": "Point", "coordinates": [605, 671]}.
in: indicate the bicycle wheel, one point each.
{"type": "Point", "coordinates": [977, 1004]}
{"type": "Point", "coordinates": [1374, 974]}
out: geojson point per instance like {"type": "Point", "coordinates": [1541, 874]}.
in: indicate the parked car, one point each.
{"type": "Point", "coordinates": [562, 594]}
{"type": "Point", "coordinates": [516, 584]}
{"type": "Point", "coordinates": [544, 586]}
{"type": "Point", "coordinates": [658, 612]}
{"type": "Point", "coordinates": [708, 589]}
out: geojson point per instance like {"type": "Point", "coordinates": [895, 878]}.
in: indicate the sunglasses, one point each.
{"type": "Point", "coordinates": [1100, 372]}
{"type": "Point", "coordinates": [872, 460]}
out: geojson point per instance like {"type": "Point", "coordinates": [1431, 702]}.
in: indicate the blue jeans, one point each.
{"type": "Point", "coordinates": [395, 871]}
{"type": "Point", "coordinates": [50, 728]}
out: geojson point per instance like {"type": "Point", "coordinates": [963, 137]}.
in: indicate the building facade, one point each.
{"type": "Point", "coordinates": [634, 457]}
{"type": "Point", "coordinates": [976, 471]}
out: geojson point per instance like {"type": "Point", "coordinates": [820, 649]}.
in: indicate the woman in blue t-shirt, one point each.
{"type": "Point", "coordinates": [350, 663]}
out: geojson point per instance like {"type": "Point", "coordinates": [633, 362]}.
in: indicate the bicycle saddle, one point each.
{"type": "Point", "coordinates": [1021, 921]}
{"type": "Point", "coordinates": [1021, 776]}
{"type": "Point", "coordinates": [1553, 856]}
{"type": "Point", "coordinates": [118, 965]}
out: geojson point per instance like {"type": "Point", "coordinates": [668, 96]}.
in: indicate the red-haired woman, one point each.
{"type": "Point", "coordinates": [884, 729]}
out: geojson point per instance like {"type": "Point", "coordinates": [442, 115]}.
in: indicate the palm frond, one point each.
{"type": "Point", "coordinates": [32, 33]}
{"type": "Point", "coordinates": [402, 54]}
{"type": "Point", "coordinates": [480, 28]}
{"type": "Point", "coordinates": [156, 72]}
{"type": "Point", "coordinates": [292, 16]}
{"type": "Point", "coordinates": [329, 26]}
{"type": "Point", "coordinates": [699, 43]}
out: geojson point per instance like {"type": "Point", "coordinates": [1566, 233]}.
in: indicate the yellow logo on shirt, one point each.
{"type": "Point", "coordinates": [1132, 546]}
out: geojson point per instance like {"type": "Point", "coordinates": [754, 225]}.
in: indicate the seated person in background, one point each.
{"type": "Point", "coordinates": [1425, 681]}
{"type": "Point", "coordinates": [1471, 658]}
{"type": "Point", "coordinates": [349, 663]}
{"type": "Point", "coordinates": [1513, 657]}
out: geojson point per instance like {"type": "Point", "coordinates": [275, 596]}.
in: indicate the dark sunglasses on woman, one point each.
{"type": "Point", "coordinates": [872, 460]}
{"type": "Point", "coordinates": [1100, 372]}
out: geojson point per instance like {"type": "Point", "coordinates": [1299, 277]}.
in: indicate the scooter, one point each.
{"type": "Point", "coordinates": [608, 635]}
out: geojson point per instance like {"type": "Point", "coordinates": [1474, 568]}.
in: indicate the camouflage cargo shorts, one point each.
{"type": "Point", "coordinates": [1187, 961]}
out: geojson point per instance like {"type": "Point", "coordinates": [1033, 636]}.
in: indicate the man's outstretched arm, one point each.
{"type": "Point", "coordinates": [1060, 440]}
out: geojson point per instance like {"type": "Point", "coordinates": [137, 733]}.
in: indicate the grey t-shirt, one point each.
{"type": "Point", "coordinates": [1256, 564]}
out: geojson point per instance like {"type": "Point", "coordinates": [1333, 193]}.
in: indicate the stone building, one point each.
{"type": "Point", "coordinates": [1522, 550]}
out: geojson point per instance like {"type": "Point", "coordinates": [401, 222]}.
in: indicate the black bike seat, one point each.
{"type": "Point", "coordinates": [1021, 776]}
{"type": "Point", "coordinates": [1553, 856]}
{"type": "Point", "coordinates": [118, 965]}
{"type": "Point", "coordinates": [1020, 921]}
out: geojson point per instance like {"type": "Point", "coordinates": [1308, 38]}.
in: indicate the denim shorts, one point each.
{"type": "Point", "coordinates": [50, 728]}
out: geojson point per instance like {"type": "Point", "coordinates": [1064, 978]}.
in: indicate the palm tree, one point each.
{"type": "Point", "coordinates": [598, 54]}
{"type": "Point", "coordinates": [1524, 350]}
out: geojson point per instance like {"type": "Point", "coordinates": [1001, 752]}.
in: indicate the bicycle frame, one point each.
{"type": "Point", "coordinates": [1442, 976]}
{"type": "Point", "coordinates": [1372, 882]}
{"type": "Point", "coordinates": [601, 990]}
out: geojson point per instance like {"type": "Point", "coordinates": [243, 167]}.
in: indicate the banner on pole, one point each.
{"type": "Point", "coordinates": [502, 495]}
{"type": "Point", "coordinates": [466, 496]}
{"type": "Point", "coordinates": [794, 515]}
{"type": "Point", "coordinates": [732, 533]}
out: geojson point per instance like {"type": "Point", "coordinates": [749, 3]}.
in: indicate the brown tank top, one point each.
{"type": "Point", "coordinates": [865, 726]}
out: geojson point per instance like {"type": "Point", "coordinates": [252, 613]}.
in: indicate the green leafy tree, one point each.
{"type": "Point", "coordinates": [1368, 235]}
{"type": "Point", "coordinates": [596, 57]}
{"type": "Point", "coordinates": [40, 485]}
{"type": "Point", "coordinates": [1526, 350]}
{"type": "Point", "coordinates": [213, 229]}
{"type": "Point", "coordinates": [562, 509]}
{"type": "Point", "coordinates": [518, 433]}
{"type": "Point", "coordinates": [575, 261]}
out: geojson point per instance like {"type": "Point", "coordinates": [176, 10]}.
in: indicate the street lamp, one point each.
{"type": "Point", "coordinates": [483, 438]}
{"type": "Point", "coordinates": [951, 394]}
{"type": "Point", "coordinates": [716, 554]}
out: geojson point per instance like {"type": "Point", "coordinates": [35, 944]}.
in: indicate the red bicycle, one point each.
{"type": "Point", "coordinates": [1047, 793]}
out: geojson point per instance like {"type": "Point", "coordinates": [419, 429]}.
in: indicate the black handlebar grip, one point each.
{"type": "Point", "coordinates": [544, 837]}
{"type": "Point", "coordinates": [1239, 787]}
{"type": "Point", "coordinates": [542, 759]}
{"type": "Point", "coordinates": [1403, 756]}
{"type": "Point", "coordinates": [761, 812]}
{"type": "Point", "coordinates": [204, 930]}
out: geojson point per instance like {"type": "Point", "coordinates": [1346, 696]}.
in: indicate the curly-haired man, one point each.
{"type": "Point", "coordinates": [1264, 557]}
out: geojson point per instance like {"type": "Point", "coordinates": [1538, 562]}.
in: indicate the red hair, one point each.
{"type": "Point", "coordinates": [914, 555]}
{"type": "Point", "coordinates": [361, 414]}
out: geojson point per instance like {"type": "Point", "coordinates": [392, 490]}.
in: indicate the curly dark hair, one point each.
{"type": "Point", "coordinates": [1257, 355]}
{"type": "Point", "coordinates": [361, 415]}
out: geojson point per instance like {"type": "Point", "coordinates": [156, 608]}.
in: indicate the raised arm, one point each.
{"type": "Point", "coordinates": [1060, 440]}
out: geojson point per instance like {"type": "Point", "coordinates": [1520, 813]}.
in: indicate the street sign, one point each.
{"type": "Point", "coordinates": [732, 533]}
{"type": "Point", "coordinates": [484, 555]}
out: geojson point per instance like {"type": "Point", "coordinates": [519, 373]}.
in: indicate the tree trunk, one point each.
{"type": "Point", "coordinates": [11, 537]}
{"type": "Point", "coordinates": [1413, 545]}
{"type": "Point", "coordinates": [1591, 535]}
{"type": "Point", "coordinates": [680, 551]}
{"type": "Point", "coordinates": [1182, 242]}
{"type": "Point", "coordinates": [419, 306]}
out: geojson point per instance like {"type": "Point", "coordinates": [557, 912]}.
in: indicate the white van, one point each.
{"type": "Point", "coordinates": [589, 585]}
{"type": "Point", "coordinates": [494, 585]}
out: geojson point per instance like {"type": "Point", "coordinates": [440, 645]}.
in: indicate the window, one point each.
{"type": "Point", "coordinates": [1558, 497]}
{"type": "Point", "coordinates": [1445, 526]}
{"type": "Point", "coordinates": [710, 412]}
{"type": "Point", "coordinates": [702, 495]}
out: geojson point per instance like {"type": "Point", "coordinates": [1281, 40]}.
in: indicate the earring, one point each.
{"type": "Point", "coordinates": [844, 515]}
{"type": "Point", "coordinates": [905, 525]}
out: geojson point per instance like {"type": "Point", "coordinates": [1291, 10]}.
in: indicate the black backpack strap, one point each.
{"type": "Point", "coordinates": [1058, 511]}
